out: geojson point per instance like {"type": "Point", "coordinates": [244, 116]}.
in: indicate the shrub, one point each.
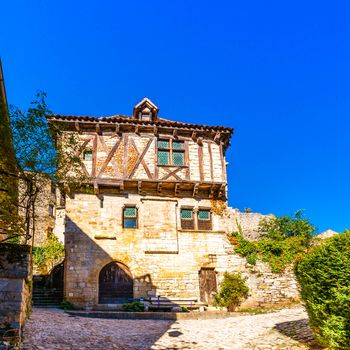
{"type": "Point", "coordinates": [324, 275]}
{"type": "Point", "coordinates": [135, 306]}
{"type": "Point", "coordinates": [285, 239]}
{"type": "Point", "coordinates": [66, 305]}
{"type": "Point", "coordinates": [233, 290]}
{"type": "Point", "coordinates": [49, 252]}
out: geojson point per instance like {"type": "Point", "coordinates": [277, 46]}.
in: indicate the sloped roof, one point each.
{"type": "Point", "coordinates": [129, 120]}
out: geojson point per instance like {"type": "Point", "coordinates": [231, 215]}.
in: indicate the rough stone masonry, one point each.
{"type": "Point", "coordinates": [153, 219]}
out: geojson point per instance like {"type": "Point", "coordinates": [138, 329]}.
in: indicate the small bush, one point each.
{"type": "Point", "coordinates": [324, 277]}
{"type": "Point", "coordinates": [66, 305]}
{"type": "Point", "coordinates": [49, 252]}
{"type": "Point", "coordinates": [285, 240]}
{"type": "Point", "coordinates": [185, 309]}
{"type": "Point", "coordinates": [233, 290]}
{"type": "Point", "coordinates": [135, 306]}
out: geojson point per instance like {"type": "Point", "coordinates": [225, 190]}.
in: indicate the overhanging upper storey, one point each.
{"type": "Point", "coordinates": [150, 155]}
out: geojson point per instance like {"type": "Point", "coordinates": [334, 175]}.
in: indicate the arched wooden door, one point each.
{"type": "Point", "coordinates": [115, 284]}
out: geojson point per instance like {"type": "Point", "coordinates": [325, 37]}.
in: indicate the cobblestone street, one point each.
{"type": "Point", "coordinates": [50, 329]}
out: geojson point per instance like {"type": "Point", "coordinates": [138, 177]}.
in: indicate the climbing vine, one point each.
{"type": "Point", "coordinates": [49, 253]}
{"type": "Point", "coordinates": [284, 240]}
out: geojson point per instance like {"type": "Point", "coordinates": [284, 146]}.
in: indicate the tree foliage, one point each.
{"type": "Point", "coordinates": [283, 240]}
{"type": "Point", "coordinates": [233, 290]}
{"type": "Point", "coordinates": [42, 154]}
{"type": "Point", "coordinates": [324, 275]}
{"type": "Point", "coordinates": [48, 254]}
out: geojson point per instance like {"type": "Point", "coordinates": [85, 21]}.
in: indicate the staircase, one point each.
{"type": "Point", "coordinates": [47, 297]}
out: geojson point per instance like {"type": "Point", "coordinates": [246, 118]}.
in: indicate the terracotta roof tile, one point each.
{"type": "Point", "coordinates": [126, 119]}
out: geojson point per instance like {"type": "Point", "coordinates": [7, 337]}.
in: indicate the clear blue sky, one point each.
{"type": "Point", "coordinates": [276, 71]}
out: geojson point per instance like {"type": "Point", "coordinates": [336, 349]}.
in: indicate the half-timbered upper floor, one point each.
{"type": "Point", "coordinates": [148, 154]}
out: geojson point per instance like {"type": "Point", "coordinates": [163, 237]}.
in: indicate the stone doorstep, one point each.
{"type": "Point", "coordinates": [195, 315]}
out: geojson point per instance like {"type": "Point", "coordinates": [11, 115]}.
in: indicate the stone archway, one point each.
{"type": "Point", "coordinates": [115, 284]}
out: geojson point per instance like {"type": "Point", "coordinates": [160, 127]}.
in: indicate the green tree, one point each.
{"type": "Point", "coordinates": [324, 275]}
{"type": "Point", "coordinates": [42, 154]}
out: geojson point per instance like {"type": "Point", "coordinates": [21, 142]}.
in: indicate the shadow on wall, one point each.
{"type": "Point", "coordinates": [102, 274]}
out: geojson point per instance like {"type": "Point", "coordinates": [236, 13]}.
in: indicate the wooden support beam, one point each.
{"type": "Point", "coordinates": [137, 130]}
{"type": "Point", "coordinates": [77, 127]}
{"type": "Point", "coordinates": [194, 136]}
{"type": "Point", "coordinates": [195, 190]}
{"type": "Point", "coordinates": [94, 157]}
{"type": "Point", "coordinates": [159, 187]}
{"type": "Point", "coordinates": [155, 130]}
{"type": "Point", "coordinates": [117, 129]}
{"type": "Point", "coordinates": [175, 133]}
{"type": "Point", "coordinates": [98, 128]}
{"type": "Point", "coordinates": [217, 136]}
{"type": "Point", "coordinates": [211, 193]}
{"type": "Point", "coordinates": [200, 141]}
{"type": "Point", "coordinates": [121, 186]}
{"type": "Point", "coordinates": [200, 163]}
{"type": "Point", "coordinates": [177, 189]}
{"type": "Point", "coordinates": [139, 187]}
{"type": "Point", "coordinates": [96, 189]}
{"type": "Point", "coordinates": [222, 190]}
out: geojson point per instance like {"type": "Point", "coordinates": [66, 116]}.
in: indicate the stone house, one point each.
{"type": "Point", "coordinates": [153, 220]}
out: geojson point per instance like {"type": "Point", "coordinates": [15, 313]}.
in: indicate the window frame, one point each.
{"type": "Point", "coordinates": [136, 218]}
{"type": "Point", "coordinates": [204, 224]}
{"type": "Point", "coordinates": [171, 151]}
{"type": "Point", "coordinates": [87, 151]}
{"type": "Point", "coordinates": [192, 220]}
{"type": "Point", "coordinates": [197, 223]}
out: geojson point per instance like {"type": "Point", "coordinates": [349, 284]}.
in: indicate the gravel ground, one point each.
{"type": "Point", "coordinates": [51, 329]}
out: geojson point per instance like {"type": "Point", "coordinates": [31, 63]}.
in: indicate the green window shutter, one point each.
{"type": "Point", "coordinates": [163, 157]}
{"type": "Point", "coordinates": [178, 158]}
{"type": "Point", "coordinates": [204, 214]}
{"type": "Point", "coordinates": [130, 212]}
{"type": "Point", "coordinates": [186, 214]}
{"type": "Point", "coordinates": [164, 144]}
{"type": "Point", "coordinates": [178, 145]}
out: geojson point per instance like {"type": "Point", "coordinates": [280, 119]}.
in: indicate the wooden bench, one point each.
{"type": "Point", "coordinates": [166, 304]}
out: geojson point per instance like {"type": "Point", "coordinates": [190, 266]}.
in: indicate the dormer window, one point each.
{"type": "Point", "coordinates": [146, 114]}
{"type": "Point", "coordinates": [146, 110]}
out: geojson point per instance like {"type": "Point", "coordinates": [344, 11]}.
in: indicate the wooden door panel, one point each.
{"type": "Point", "coordinates": [207, 285]}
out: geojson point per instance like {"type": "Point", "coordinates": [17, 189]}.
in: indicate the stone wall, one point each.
{"type": "Point", "coordinates": [163, 259]}
{"type": "Point", "coordinates": [234, 220]}
{"type": "Point", "coordinates": [15, 293]}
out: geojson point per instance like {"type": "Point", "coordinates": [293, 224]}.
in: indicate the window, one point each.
{"type": "Point", "coordinates": [51, 209]}
{"type": "Point", "coordinates": [204, 219]}
{"type": "Point", "coordinates": [191, 219]}
{"type": "Point", "coordinates": [130, 217]}
{"type": "Point", "coordinates": [171, 152]}
{"type": "Point", "coordinates": [87, 154]}
{"type": "Point", "coordinates": [187, 220]}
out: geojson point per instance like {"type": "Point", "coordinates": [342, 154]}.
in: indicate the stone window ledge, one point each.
{"type": "Point", "coordinates": [104, 236]}
{"type": "Point", "coordinates": [204, 231]}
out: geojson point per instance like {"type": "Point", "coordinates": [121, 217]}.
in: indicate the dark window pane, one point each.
{"type": "Point", "coordinates": [178, 158]}
{"type": "Point", "coordinates": [164, 144]}
{"type": "Point", "coordinates": [186, 213]}
{"type": "Point", "coordinates": [163, 157]}
{"type": "Point", "coordinates": [204, 215]}
{"type": "Point", "coordinates": [130, 212]}
{"type": "Point", "coordinates": [178, 145]}
{"type": "Point", "coordinates": [130, 223]}
{"type": "Point", "coordinates": [88, 155]}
